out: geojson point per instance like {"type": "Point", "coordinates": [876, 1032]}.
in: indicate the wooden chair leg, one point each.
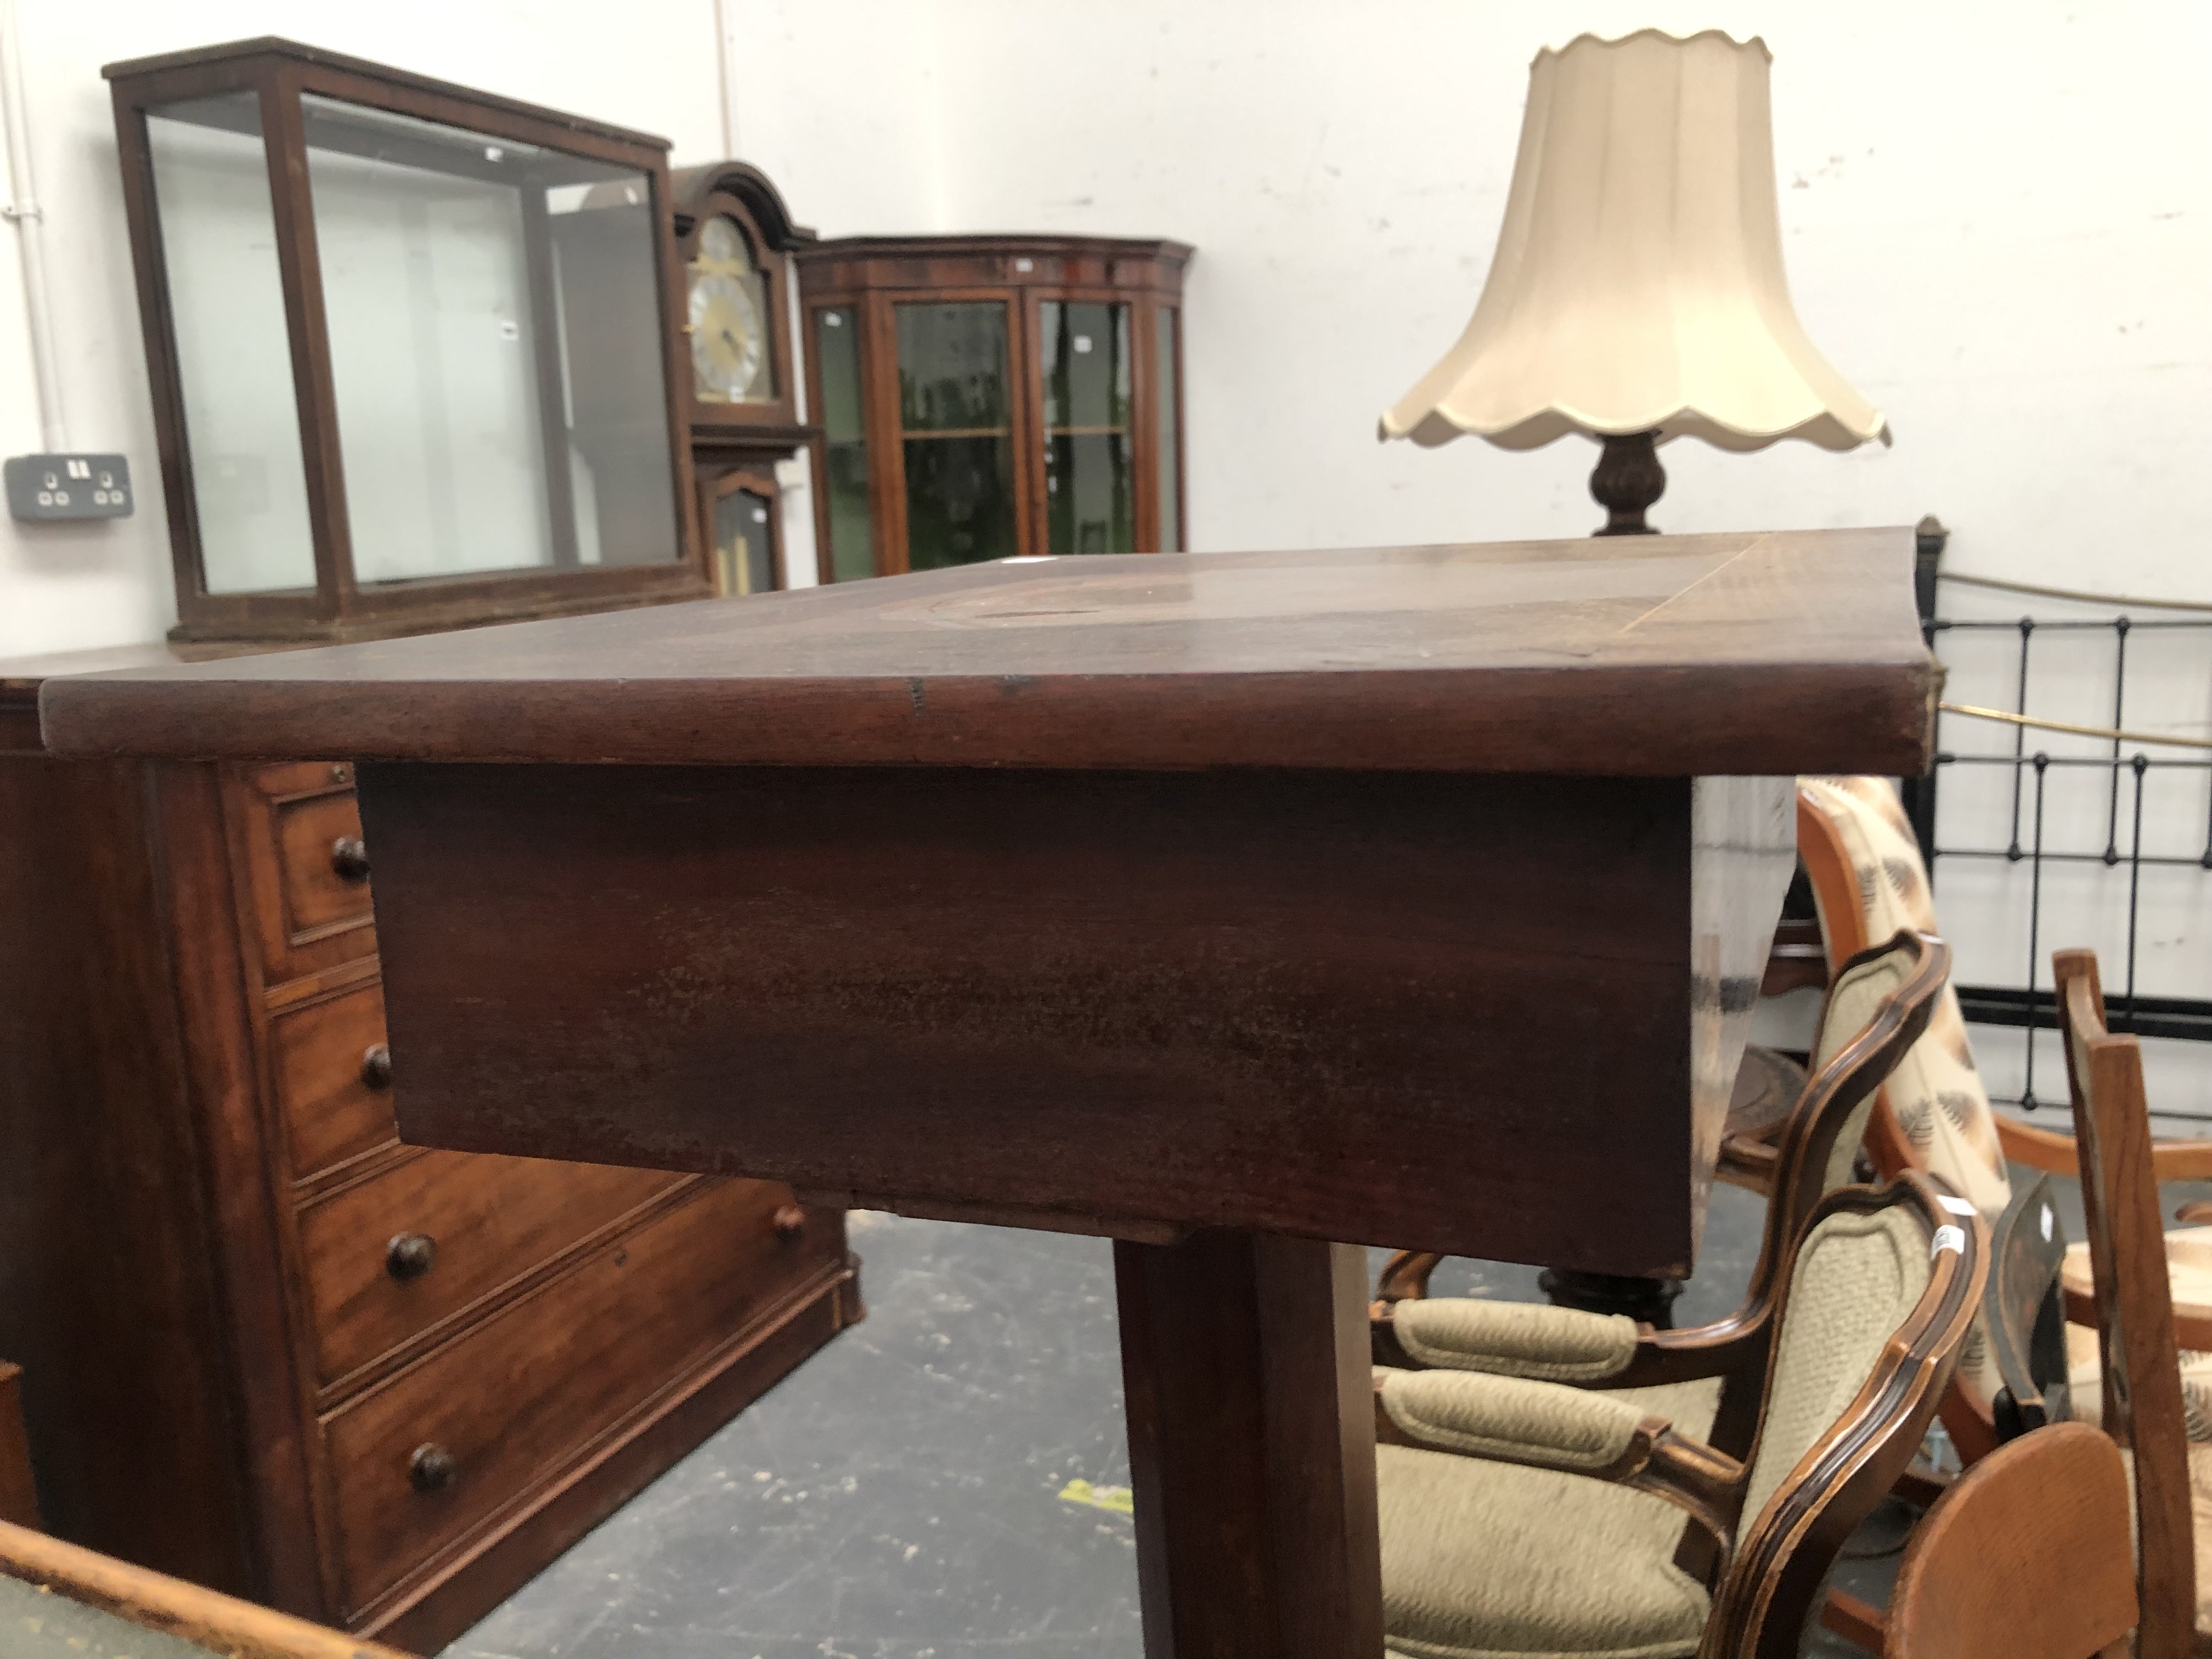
{"type": "Point", "coordinates": [1921, 1485]}
{"type": "Point", "coordinates": [1860, 1623]}
{"type": "Point", "coordinates": [1405, 1276]}
{"type": "Point", "coordinates": [1973, 1433]}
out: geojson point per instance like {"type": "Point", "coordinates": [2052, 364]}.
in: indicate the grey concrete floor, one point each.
{"type": "Point", "coordinates": [900, 1496]}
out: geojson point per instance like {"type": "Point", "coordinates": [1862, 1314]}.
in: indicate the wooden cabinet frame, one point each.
{"type": "Point", "coordinates": [870, 276]}
{"type": "Point", "coordinates": [339, 606]}
{"type": "Point", "coordinates": [882, 502]}
{"type": "Point", "coordinates": [886, 427]}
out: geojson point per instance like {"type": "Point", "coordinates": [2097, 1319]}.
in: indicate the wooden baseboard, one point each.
{"type": "Point", "coordinates": [432, 1606]}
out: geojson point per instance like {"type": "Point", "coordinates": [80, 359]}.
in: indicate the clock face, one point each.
{"type": "Point", "coordinates": [730, 357]}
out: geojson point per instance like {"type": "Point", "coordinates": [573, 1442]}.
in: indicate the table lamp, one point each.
{"type": "Point", "coordinates": [1636, 293]}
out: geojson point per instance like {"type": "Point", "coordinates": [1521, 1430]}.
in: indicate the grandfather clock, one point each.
{"type": "Point", "coordinates": [734, 235]}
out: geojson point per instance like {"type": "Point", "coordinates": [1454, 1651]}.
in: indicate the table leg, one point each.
{"type": "Point", "coordinates": [1244, 1360]}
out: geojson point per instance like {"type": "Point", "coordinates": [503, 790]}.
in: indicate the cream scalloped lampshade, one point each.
{"type": "Point", "coordinates": [1638, 285]}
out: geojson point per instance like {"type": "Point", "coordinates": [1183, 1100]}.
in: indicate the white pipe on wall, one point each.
{"type": "Point", "coordinates": [722, 81]}
{"type": "Point", "coordinates": [23, 209]}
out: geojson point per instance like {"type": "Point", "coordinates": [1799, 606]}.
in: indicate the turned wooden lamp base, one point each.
{"type": "Point", "coordinates": [1627, 479]}
{"type": "Point", "coordinates": [1650, 1300]}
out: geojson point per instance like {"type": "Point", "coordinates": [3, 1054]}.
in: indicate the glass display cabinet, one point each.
{"type": "Point", "coordinates": [993, 396]}
{"type": "Point", "coordinates": [413, 348]}
{"type": "Point", "coordinates": [734, 236]}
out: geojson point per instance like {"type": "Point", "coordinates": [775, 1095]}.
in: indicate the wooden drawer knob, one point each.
{"type": "Point", "coordinates": [790, 1221]}
{"type": "Point", "coordinates": [349, 858]}
{"type": "Point", "coordinates": [376, 1065]}
{"type": "Point", "coordinates": [411, 1256]}
{"type": "Point", "coordinates": [431, 1469]}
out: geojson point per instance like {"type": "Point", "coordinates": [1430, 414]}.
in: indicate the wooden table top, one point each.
{"type": "Point", "coordinates": [1740, 654]}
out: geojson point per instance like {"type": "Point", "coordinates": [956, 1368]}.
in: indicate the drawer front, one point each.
{"type": "Point", "coordinates": [390, 1256]}
{"type": "Point", "coordinates": [333, 1078]}
{"type": "Point", "coordinates": [324, 866]}
{"type": "Point", "coordinates": [419, 1461]}
{"type": "Point", "coordinates": [299, 826]}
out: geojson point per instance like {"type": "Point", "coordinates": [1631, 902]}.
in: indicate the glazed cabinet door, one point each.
{"type": "Point", "coordinates": [1085, 426]}
{"type": "Point", "coordinates": [838, 360]}
{"type": "Point", "coordinates": [948, 391]}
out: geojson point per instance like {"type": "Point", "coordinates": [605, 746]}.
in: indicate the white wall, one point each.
{"type": "Point", "coordinates": [1997, 221]}
{"type": "Point", "coordinates": [1998, 224]}
{"type": "Point", "coordinates": [65, 586]}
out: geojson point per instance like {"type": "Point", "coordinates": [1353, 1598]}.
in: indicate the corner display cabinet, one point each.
{"type": "Point", "coordinates": [994, 397]}
{"type": "Point", "coordinates": [413, 348]}
{"type": "Point", "coordinates": [734, 237]}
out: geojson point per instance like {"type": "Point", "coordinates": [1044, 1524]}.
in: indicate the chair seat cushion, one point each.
{"type": "Point", "coordinates": [1940, 1101]}
{"type": "Point", "coordinates": [1482, 1560]}
{"type": "Point", "coordinates": [2085, 1388]}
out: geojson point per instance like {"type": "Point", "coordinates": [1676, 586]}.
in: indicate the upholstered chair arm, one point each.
{"type": "Point", "coordinates": [1513, 1418]}
{"type": "Point", "coordinates": [1578, 1431]}
{"type": "Point", "coordinates": [1559, 1345]}
{"type": "Point", "coordinates": [1515, 1339]}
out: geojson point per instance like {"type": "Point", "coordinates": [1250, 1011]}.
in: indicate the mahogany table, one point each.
{"type": "Point", "coordinates": [1245, 908]}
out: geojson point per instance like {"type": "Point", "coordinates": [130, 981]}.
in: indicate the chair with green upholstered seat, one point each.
{"type": "Point", "coordinates": [1529, 1517]}
{"type": "Point", "coordinates": [1875, 1012]}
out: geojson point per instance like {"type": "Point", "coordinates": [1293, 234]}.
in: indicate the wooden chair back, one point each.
{"type": "Point", "coordinates": [1830, 871]}
{"type": "Point", "coordinates": [2024, 1312]}
{"type": "Point", "coordinates": [1862, 862]}
{"type": "Point", "coordinates": [2142, 1367]}
{"type": "Point", "coordinates": [1840, 891]}
{"type": "Point", "coordinates": [1875, 1010]}
{"type": "Point", "coordinates": [1819, 1468]}
{"type": "Point", "coordinates": [2026, 1557]}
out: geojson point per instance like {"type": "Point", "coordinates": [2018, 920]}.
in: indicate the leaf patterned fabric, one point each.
{"type": "Point", "coordinates": [1935, 1091]}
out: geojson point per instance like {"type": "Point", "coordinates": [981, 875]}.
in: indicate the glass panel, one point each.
{"type": "Point", "coordinates": [1089, 487]}
{"type": "Point", "coordinates": [496, 348]}
{"type": "Point", "coordinates": [1170, 470]}
{"type": "Point", "coordinates": [837, 352]}
{"type": "Point", "coordinates": [744, 544]}
{"type": "Point", "coordinates": [731, 358]}
{"type": "Point", "coordinates": [233, 356]}
{"type": "Point", "coordinates": [957, 440]}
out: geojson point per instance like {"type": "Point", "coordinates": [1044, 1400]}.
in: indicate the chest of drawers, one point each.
{"type": "Point", "coordinates": [267, 1347]}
